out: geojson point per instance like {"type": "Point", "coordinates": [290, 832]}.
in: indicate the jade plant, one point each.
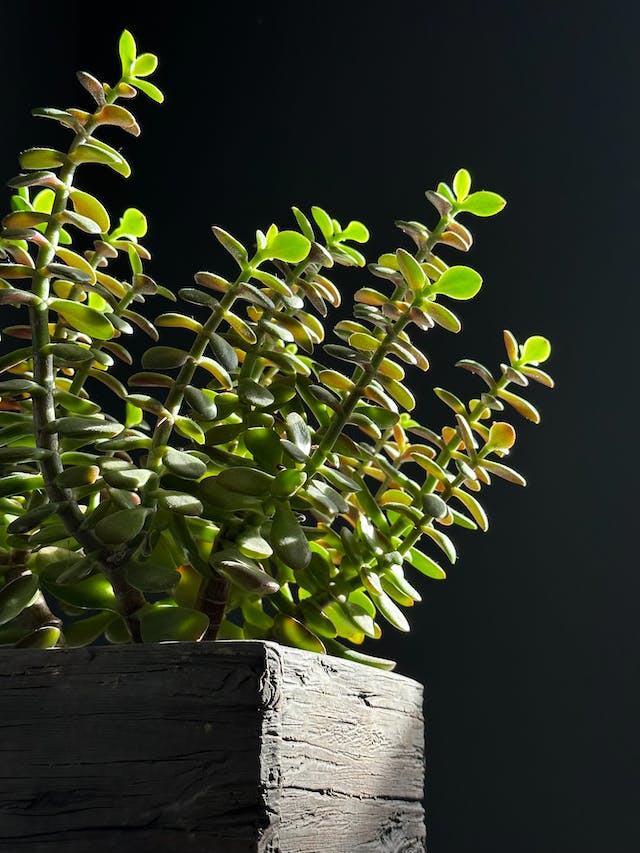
{"type": "Point", "coordinates": [252, 481]}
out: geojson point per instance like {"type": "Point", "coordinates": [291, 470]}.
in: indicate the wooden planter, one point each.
{"type": "Point", "coordinates": [207, 747]}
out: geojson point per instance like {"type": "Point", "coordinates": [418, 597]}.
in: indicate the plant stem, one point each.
{"type": "Point", "coordinates": [443, 459]}
{"type": "Point", "coordinates": [44, 412]}
{"type": "Point", "coordinates": [175, 397]}
{"type": "Point", "coordinates": [364, 376]}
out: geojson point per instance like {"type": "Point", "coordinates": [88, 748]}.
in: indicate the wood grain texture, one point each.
{"type": "Point", "coordinates": [234, 747]}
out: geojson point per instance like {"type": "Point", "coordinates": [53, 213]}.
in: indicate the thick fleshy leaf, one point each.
{"type": "Point", "coordinates": [288, 538]}
{"type": "Point", "coordinates": [92, 593]}
{"type": "Point", "coordinates": [292, 632]}
{"type": "Point", "coordinates": [356, 231]}
{"type": "Point", "coordinates": [89, 206]}
{"type": "Point", "coordinates": [82, 632]}
{"type": "Point", "coordinates": [16, 596]}
{"type": "Point", "coordinates": [503, 471]}
{"type": "Point", "coordinates": [458, 282]}
{"type": "Point", "coordinates": [202, 401]}
{"type": "Point", "coordinates": [44, 637]}
{"type": "Point", "coordinates": [411, 270]}
{"type": "Point", "coordinates": [245, 480]}
{"type": "Point", "coordinates": [189, 429]}
{"type": "Point", "coordinates": [42, 158]}
{"type": "Point", "coordinates": [233, 246]}
{"type": "Point", "coordinates": [523, 407]}
{"type": "Point", "coordinates": [149, 90]}
{"type": "Point", "coordinates": [181, 504]}
{"type": "Point", "coordinates": [482, 203]}
{"type": "Point", "coordinates": [163, 358]}
{"type": "Point", "coordinates": [298, 432]}
{"type": "Point", "coordinates": [391, 612]}
{"type": "Point", "coordinates": [501, 436]}
{"type": "Point", "coordinates": [173, 624]}
{"type": "Point", "coordinates": [184, 464]}
{"type": "Point", "coordinates": [127, 51]}
{"type": "Point", "coordinates": [223, 351]}
{"type": "Point", "coordinates": [442, 540]}
{"type": "Point", "coordinates": [536, 349]}
{"type": "Point", "coordinates": [19, 482]}
{"type": "Point", "coordinates": [461, 184]}
{"type": "Point", "coordinates": [121, 526]}
{"type": "Point", "coordinates": [289, 246]}
{"type": "Point", "coordinates": [84, 319]}
{"type": "Point", "coordinates": [264, 445]}
{"type": "Point", "coordinates": [324, 222]}
{"type": "Point", "coordinates": [245, 574]}
{"type": "Point", "coordinates": [151, 577]}
{"type": "Point", "coordinates": [425, 564]}
{"type": "Point", "coordinates": [254, 394]}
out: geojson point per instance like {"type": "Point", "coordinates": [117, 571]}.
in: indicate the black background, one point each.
{"type": "Point", "coordinates": [529, 651]}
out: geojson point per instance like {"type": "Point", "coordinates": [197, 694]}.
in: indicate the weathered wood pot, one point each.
{"type": "Point", "coordinates": [224, 747]}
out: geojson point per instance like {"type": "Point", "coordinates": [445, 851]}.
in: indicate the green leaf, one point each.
{"type": "Point", "coordinates": [42, 158]}
{"type": "Point", "coordinates": [82, 632]}
{"type": "Point", "coordinates": [288, 538]}
{"type": "Point", "coordinates": [434, 506]}
{"type": "Point", "coordinates": [184, 464]}
{"type": "Point", "coordinates": [223, 351]}
{"type": "Point", "coordinates": [150, 577]}
{"type": "Point", "coordinates": [355, 231]}
{"type": "Point", "coordinates": [181, 504]}
{"type": "Point", "coordinates": [178, 624]}
{"type": "Point", "coordinates": [121, 526]}
{"type": "Point", "coordinates": [245, 480]}
{"type": "Point", "coordinates": [291, 632]}
{"type": "Point", "coordinates": [133, 224]}
{"type": "Point", "coordinates": [392, 612]}
{"type": "Point", "coordinates": [163, 358]}
{"type": "Point", "coordinates": [411, 270]}
{"type": "Point", "coordinates": [93, 593]}
{"type": "Point", "coordinates": [458, 282]}
{"type": "Point", "coordinates": [482, 203]}
{"type": "Point", "coordinates": [338, 650]}
{"type": "Point", "coordinates": [425, 564]}
{"type": "Point", "coordinates": [289, 246]}
{"type": "Point", "coordinates": [535, 349]}
{"type": "Point", "coordinates": [245, 574]}
{"type": "Point", "coordinates": [145, 64]}
{"type": "Point", "coordinates": [202, 401]}
{"type": "Point", "coordinates": [254, 394]}
{"type": "Point", "coordinates": [44, 637]}
{"type": "Point", "coordinates": [298, 432]}
{"type": "Point", "coordinates": [86, 205]}
{"type": "Point", "coordinates": [16, 596]}
{"type": "Point", "coordinates": [19, 483]}
{"type": "Point", "coordinates": [264, 445]}
{"type": "Point", "coordinates": [287, 483]}
{"type": "Point", "coordinates": [503, 471]}
{"type": "Point", "coordinates": [442, 541]}
{"type": "Point", "coordinates": [303, 224]}
{"type": "Point", "coordinates": [323, 220]}
{"type": "Point", "coordinates": [83, 318]}
{"type": "Point", "coordinates": [127, 51]}
{"type": "Point", "coordinates": [189, 429]}
{"type": "Point", "coordinates": [522, 406]}
{"type": "Point", "coordinates": [149, 90]}
{"type": "Point", "coordinates": [252, 544]}
{"type": "Point", "coordinates": [461, 184]}
{"type": "Point", "coordinates": [233, 246]}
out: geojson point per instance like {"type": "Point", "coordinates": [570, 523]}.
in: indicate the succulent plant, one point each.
{"type": "Point", "coordinates": [255, 481]}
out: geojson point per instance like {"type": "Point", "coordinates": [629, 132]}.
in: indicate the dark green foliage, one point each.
{"type": "Point", "coordinates": [265, 483]}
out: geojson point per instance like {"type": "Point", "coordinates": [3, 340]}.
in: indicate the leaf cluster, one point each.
{"type": "Point", "coordinates": [260, 482]}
